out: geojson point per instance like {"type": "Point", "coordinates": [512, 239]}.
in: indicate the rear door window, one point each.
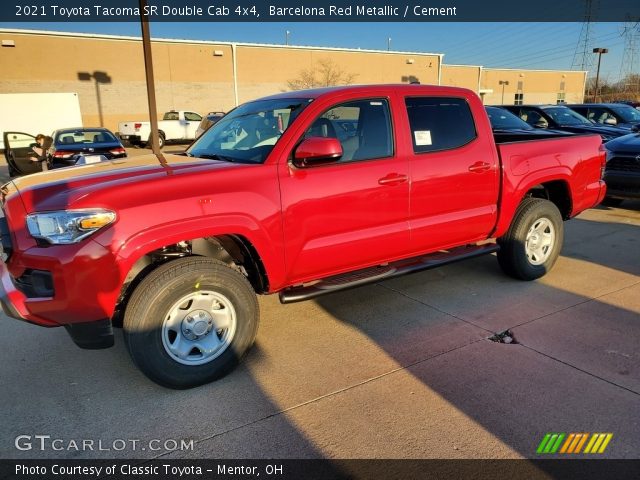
{"type": "Point", "coordinates": [192, 117]}
{"type": "Point", "coordinates": [439, 123]}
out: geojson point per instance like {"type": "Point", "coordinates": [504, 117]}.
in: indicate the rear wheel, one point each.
{"type": "Point", "coordinates": [531, 246]}
{"type": "Point", "coordinates": [190, 322]}
{"type": "Point", "coordinates": [161, 141]}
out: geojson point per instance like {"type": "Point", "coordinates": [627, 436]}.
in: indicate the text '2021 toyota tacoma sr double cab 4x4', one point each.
{"type": "Point", "coordinates": [279, 197]}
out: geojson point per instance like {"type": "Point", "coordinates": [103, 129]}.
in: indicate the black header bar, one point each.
{"type": "Point", "coordinates": [321, 11]}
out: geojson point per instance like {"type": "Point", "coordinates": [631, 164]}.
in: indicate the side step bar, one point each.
{"type": "Point", "coordinates": [383, 272]}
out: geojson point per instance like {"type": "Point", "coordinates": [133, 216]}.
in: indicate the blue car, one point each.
{"type": "Point", "coordinates": [563, 118]}
{"type": "Point", "coordinates": [612, 114]}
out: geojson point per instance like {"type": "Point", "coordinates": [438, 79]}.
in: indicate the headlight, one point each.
{"type": "Point", "coordinates": [68, 226]}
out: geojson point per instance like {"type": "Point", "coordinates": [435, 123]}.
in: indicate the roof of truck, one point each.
{"type": "Point", "coordinates": [403, 87]}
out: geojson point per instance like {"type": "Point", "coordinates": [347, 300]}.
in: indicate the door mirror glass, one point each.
{"type": "Point", "coordinates": [317, 151]}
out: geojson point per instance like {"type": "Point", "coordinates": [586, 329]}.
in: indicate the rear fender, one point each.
{"type": "Point", "coordinates": [513, 193]}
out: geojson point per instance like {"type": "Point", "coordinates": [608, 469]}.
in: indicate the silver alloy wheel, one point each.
{"type": "Point", "coordinates": [540, 240]}
{"type": "Point", "coordinates": [199, 327]}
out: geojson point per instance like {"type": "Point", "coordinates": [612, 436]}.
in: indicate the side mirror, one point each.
{"type": "Point", "coordinates": [611, 121]}
{"type": "Point", "coordinates": [317, 151]}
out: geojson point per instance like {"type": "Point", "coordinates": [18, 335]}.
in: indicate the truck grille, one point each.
{"type": "Point", "coordinates": [624, 164]}
{"type": "Point", "coordinates": [5, 239]}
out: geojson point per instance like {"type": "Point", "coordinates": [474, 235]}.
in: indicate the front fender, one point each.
{"type": "Point", "coordinates": [268, 245]}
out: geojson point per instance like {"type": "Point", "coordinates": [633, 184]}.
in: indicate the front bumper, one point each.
{"type": "Point", "coordinates": [91, 335]}
{"type": "Point", "coordinates": [623, 184]}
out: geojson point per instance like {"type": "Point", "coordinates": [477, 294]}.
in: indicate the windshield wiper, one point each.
{"type": "Point", "coordinates": [213, 156]}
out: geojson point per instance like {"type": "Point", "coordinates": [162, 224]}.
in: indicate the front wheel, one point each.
{"type": "Point", "coordinates": [531, 246]}
{"type": "Point", "coordinates": [190, 322]}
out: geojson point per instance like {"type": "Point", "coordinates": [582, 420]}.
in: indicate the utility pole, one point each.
{"type": "Point", "coordinates": [599, 51]}
{"type": "Point", "coordinates": [151, 91]}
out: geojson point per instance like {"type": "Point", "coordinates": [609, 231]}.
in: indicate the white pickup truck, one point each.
{"type": "Point", "coordinates": [174, 126]}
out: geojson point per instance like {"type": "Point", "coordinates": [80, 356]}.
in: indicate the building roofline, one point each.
{"type": "Point", "coordinates": [460, 65]}
{"type": "Point", "coordinates": [534, 70]}
{"type": "Point", "coordinates": [102, 36]}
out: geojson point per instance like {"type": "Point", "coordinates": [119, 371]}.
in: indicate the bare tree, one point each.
{"type": "Point", "coordinates": [324, 73]}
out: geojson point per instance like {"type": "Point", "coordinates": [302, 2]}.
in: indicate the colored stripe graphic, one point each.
{"type": "Point", "coordinates": [567, 443]}
{"type": "Point", "coordinates": [581, 442]}
{"type": "Point", "coordinates": [543, 443]}
{"type": "Point", "coordinates": [572, 443]}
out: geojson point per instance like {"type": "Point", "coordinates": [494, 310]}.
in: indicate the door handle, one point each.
{"type": "Point", "coordinates": [393, 179]}
{"type": "Point", "coordinates": [479, 167]}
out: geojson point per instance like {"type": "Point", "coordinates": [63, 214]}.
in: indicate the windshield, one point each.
{"type": "Point", "coordinates": [628, 114]}
{"type": "Point", "coordinates": [564, 116]}
{"type": "Point", "coordinates": [71, 137]}
{"type": "Point", "coordinates": [248, 133]}
{"type": "Point", "coordinates": [503, 120]}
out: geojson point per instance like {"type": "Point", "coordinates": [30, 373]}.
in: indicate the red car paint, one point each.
{"type": "Point", "coordinates": [305, 224]}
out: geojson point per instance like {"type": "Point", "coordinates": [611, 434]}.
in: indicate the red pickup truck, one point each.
{"type": "Point", "coordinates": [301, 193]}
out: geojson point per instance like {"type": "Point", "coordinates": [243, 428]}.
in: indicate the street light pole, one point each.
{"type": "Point", "coordinates": [599, 51]}
{"type": "Point", "coordinates": [503, 83]}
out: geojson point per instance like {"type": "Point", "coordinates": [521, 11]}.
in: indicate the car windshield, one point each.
{"type": "Point", "coordinates": [248, 133]}
{"type": "Point", "coordinates": [628, 114]}
{"type": "Point", "coordinates": [565, 117]}
{"type": "Point", "coordinates": [503, 120]}
{"type": "Point", "coordinates": [71, 137]}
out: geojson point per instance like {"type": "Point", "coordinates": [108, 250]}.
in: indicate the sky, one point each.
{"type": "Point", "coordinates": [508, 45]}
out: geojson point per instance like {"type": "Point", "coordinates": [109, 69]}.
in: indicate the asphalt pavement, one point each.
{"type": "Point", "coordinates": [400, 369]}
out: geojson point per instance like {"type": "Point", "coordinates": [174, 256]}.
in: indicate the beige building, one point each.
{"type": "Point", "coordinates": [107, 72]}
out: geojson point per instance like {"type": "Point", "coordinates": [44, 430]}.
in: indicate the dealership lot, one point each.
{"type": "Point", "coordinates": [399, 369]}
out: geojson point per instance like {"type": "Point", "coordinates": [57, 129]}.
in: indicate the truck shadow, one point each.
{"type": "Point", "coordinates": [568, 351]}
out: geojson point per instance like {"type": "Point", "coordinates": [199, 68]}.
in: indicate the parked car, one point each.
{"type": "Point", "coordinates": [507, 127]}
{"type": "Point", "coordinates": [631, 103]}
{"type": "Point", "coordinates": [175, 126]}
{"type": "Point", "coordinates": [613, 114]}
{"type": "Point", "coordinates": [208, 120]}
{"type": "Point", "coordinates": [269, 200]}
{"type": "Point", "coordinates": [622, 173]}
{"type": "Point", "coordinates": [70, 145]}
{"type": "Point", "coordinates": [559, 117]}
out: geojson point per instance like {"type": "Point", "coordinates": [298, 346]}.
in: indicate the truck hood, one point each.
{"type": "Point", "coordinates": [64, 187]}
{"type": "Point", "coordinates": [599, 129]}
{"type": "Point", "coordinates": [628, 145]}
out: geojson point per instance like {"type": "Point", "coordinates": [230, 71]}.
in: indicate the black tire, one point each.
{"type": "Point", "coordinates": [612, 202]}
{"type": "Point", "coordinates": [13, 172]}
{"type": "Point", "coordinates": [512, 256]}
{"type": "Point", "coordinates": [161, 141]}
{"type": "Point", "coordinates": [156, 296]}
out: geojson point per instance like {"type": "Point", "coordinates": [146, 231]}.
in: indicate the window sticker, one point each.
{"type": "Point", "coordinates": [422, 137]}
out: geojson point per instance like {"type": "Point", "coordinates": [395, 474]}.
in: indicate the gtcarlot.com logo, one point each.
{"type": "Point", "coordinates": [46, 442]}
{"type": "Point", "coordinates": [574, 443]}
